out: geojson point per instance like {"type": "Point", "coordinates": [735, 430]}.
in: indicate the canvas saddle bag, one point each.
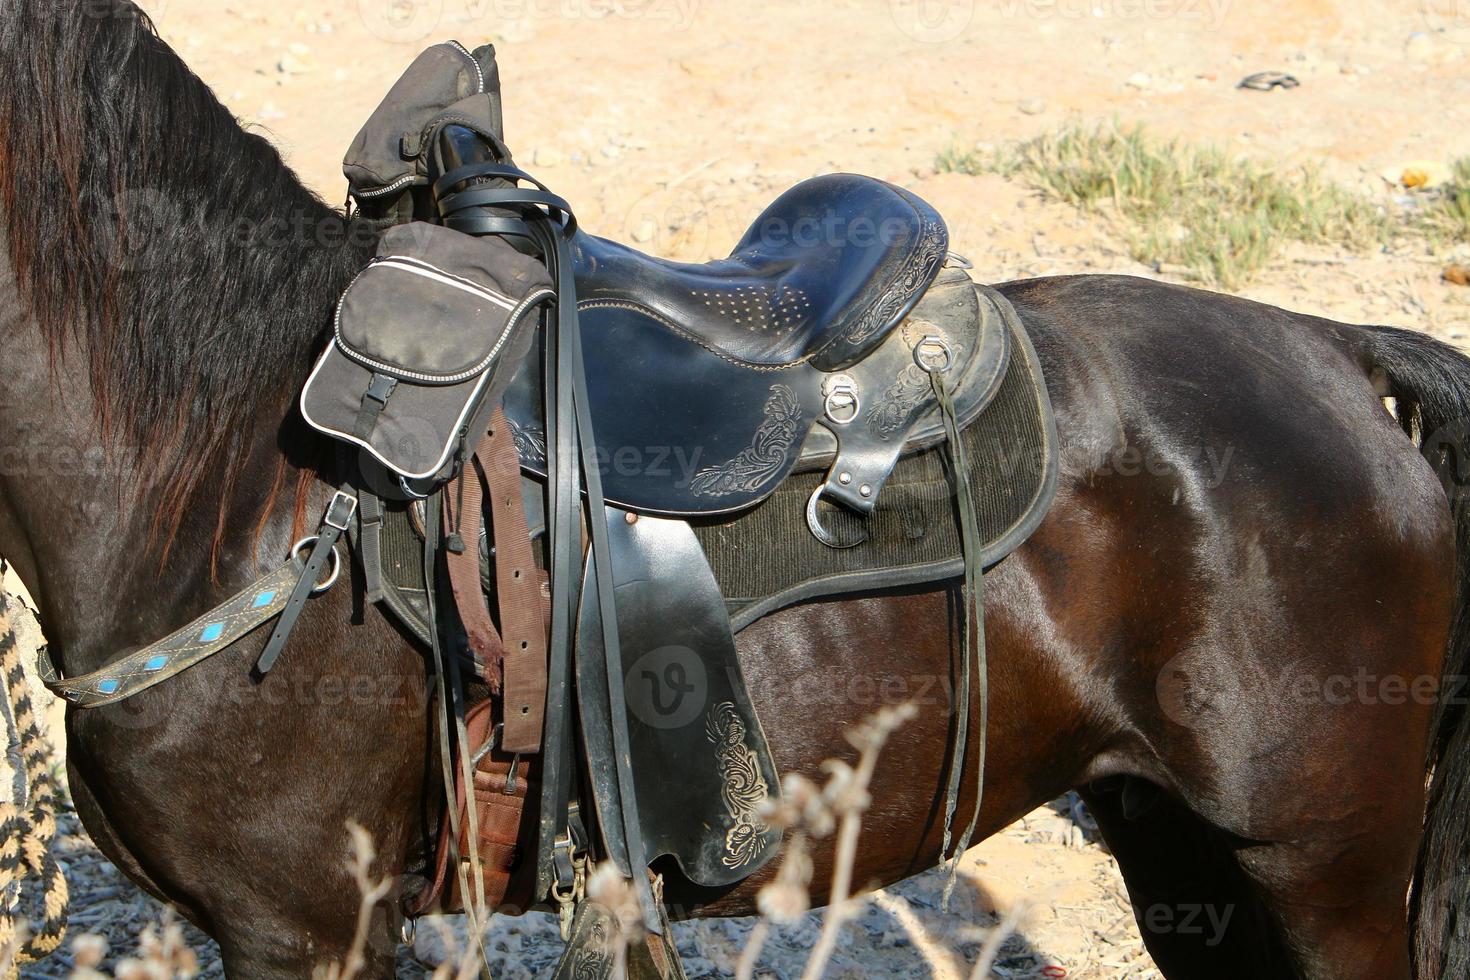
{"type": "Point", "coordinates": [426, 339]}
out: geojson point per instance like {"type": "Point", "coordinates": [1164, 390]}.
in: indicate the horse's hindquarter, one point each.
{"type": "Point", "coordinates": [1241, 530]}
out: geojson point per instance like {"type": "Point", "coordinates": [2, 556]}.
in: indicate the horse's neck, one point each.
{"type": "Point", "coordinates": [78, 526]}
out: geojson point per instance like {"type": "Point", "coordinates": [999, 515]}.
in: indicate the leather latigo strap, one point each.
{"type": "Point", "coordinates": [467, 494]}
{"type": "Point", "coordinates": [518, 585]}
{"type": "Point", "coordinates": [516, 653]}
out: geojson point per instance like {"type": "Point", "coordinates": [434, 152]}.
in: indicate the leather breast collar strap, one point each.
{"type": "Point", "coordinates": [280, 594]}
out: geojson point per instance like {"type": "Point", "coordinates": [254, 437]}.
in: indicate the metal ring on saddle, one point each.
{"type": "Point", "coordinates": [842, 405]}
{"type": "Point", "coordinates": [410, 491]}
{"type": "Point", "coordinates": [933, 354]}
{"type": "Point", "coordinates": [296, 550]}
{"type": "Point", "coordinates": [814, 523]}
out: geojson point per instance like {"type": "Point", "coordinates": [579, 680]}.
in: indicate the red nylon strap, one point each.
{"type": "Point", "coordinates": [518, 584]}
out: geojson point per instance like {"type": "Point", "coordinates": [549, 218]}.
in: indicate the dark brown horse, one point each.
{"type": "Point", "coordinates": [1230, 632]}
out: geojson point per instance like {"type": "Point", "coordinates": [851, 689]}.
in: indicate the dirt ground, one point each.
{"type": "Point", "coordinates": [670, 123]}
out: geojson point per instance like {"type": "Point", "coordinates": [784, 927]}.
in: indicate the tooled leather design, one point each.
{"type": "Point", "coordinates": [744, 790]}
{"type": "Point", "coordinates": [766, 456]}
{"type": "Point", "coordinates": [919, 270]}
{"type": "Point", "coordinates": [896, 405]}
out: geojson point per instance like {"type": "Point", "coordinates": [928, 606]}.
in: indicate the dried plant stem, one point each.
{"type": "Point", "coordinates": [870, 737]}
{"type": "Point", "coordinates": [372, 892]}
{"type": "Point", "coordinates": [751, 954]}
{"type": "Point", "coordinates": [996, 939]}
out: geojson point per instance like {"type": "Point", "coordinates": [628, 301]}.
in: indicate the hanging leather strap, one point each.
{"type": "Point", "coordinates": [463, 561]}
{"type": "Point", "coordinates": [323, 546]}
{"type": "Point", "coordinates": [518, 585]}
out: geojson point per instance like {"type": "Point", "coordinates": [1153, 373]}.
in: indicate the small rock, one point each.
{"type": "Point", "coordinates": [270, 112]}
{"type": "Point", "coordinates": [1031, 107]}
{"type": "Point", "coordinates": [298, 49]}
{"type": "Point", "coordinates": [1457, 274]}
{"type": "Point", "coordinates": [1418, 174]}
{"type": "Point", "coordinates": [1139, 80]}
{"type": "Point", "coordinates": [1431, 49]}
{"type": "Point", "coordinates": [292, 64]}
{"type": "Point", "coordinates": [612, 151]}
{"type": "Point", "coordinates": [545, 156]}
{"type": "Point", "coordinates": [645, 231]}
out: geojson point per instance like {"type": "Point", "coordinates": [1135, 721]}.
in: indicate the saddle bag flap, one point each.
{"type": "Point", "coordinates": [427, 337]}
{"type": "Point", "coordinates": [385, 158]}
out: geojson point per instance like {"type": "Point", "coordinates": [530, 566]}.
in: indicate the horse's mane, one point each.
{"type": "Point", "coordinates": [155, 239]}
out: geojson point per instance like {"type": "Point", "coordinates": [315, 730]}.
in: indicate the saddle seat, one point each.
{"type": "Point", "coordinates": [822, 276]}
{"type": "Point", "coordinates": [710, 384]}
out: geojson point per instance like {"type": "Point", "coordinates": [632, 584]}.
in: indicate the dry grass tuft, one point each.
{"type": "Point", "coordinates": [1219, 217]}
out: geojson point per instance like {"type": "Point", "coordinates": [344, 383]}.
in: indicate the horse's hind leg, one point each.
{"type": "Point", "coordinates": [1198, 914]}
{"type": "Point", "coordinates": [1340, 903]}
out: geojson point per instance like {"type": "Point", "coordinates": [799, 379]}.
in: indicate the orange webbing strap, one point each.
{"type": "Point", "coordinates": [518, 585]}
{"type": "Point", "coordinates": [500, 794]}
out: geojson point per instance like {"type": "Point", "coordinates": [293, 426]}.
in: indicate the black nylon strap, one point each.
{"type": "Point", "coordinates": [370, 544]}
{"type": "Point", "coordinates": [374, 400]}
{"type": "Point", "coordinates": [336, 520]}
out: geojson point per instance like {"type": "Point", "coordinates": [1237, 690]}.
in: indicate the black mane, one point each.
{"type": "Point", "coordinates": [157, 240]}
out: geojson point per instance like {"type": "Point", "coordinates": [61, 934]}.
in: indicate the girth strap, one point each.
{"type": "Point", "coordinates": [518, 585]}
{"type": "Point", "coordinates": [513, 658]}
{"type": "Point", "coordinates": [463, 562]}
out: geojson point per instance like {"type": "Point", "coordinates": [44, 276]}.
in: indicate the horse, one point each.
{"type": "Point", "coordinates": [1232, 633]}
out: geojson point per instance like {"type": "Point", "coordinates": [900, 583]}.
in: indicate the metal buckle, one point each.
{"type": "Point", "coordinates": [346, 500]}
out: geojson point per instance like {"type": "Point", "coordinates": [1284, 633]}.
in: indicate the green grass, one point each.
{"type": "Point", "coordinates": [1220, 217]}
{"type": "Point", "coordinates": [1446, 220]}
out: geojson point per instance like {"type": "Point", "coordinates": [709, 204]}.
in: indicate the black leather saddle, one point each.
{"type": "Point", "coordinates": [710, 384]}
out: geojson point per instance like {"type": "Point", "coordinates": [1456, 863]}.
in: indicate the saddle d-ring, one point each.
{"type": "Point", "coordinates": [933, 354]}
{"type": "Point", "coordinates": [843, 405]}
{"type": "Point", "coordinates": [814, 522]}
{"type": "Point", "coordinates": [296, 550]}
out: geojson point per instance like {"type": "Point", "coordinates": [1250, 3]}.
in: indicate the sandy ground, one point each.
{"type": "Point", "coordinates": [672, 122]}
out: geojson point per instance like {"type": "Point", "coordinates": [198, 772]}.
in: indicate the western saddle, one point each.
{"type": "Point", "coordinates": [838, 335]}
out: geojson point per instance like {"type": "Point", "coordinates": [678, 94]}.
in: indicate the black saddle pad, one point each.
{"type": "Point", "coordinates": [765, 559]}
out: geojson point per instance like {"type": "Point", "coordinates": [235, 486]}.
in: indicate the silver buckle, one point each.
{"type": "Point", "coordinates": [346, 500]}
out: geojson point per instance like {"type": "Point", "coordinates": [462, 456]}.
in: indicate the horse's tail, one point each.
{"type": "Point", "coordinates": [1430, 381]}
